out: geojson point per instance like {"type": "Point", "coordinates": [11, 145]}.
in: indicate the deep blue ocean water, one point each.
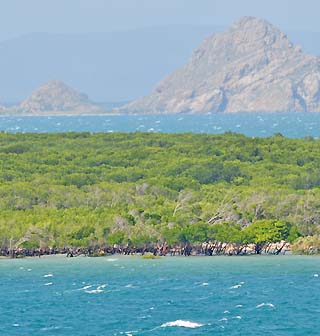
{"type": "Point", "coordinates": [169, 296]}
{"type": "Point", "coordinates": [257, 125]}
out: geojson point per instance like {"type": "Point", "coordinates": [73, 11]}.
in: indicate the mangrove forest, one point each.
{"type": "Point", "coordinates": [141, 190]}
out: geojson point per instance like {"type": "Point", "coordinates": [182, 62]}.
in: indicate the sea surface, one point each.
{"type": "Point", "coordinates": [119, 295]}
{"type": "Point", "coordinates": [256, 125]}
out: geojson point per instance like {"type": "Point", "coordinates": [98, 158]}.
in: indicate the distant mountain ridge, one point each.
{"type": "Point", "coordinates": [114, 66]}
{"type": "Point", "coordinates": [251, 67]}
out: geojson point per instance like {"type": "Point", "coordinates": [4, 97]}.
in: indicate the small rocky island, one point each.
{"type": "Point", "coordinates": [55, 98]}
{"type": "Point", "coordinates": [251, 67]}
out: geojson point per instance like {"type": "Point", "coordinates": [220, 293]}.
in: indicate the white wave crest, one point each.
{"type": "Point", "coordinates": [130, 333]}
{"type": "Point", "coordinates": [48, 275]}
{"type": "Point", "coordinates": [48, 284]}
{"type": "Point", "coordinates": [265, 305]}
{"type": "Point", "coordinates": [205, 284]}
{"type": "Point", "coordinates": [85, 287]}
{"type": "Point", "coordinates": [102, 286]}
{"type": "Point", "coordinates": [94, 291]}
{"type": "Point", "coordinates": [182, 323]}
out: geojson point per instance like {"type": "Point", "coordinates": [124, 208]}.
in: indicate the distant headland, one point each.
{"type": "Point", "coordinates": [251, 67]}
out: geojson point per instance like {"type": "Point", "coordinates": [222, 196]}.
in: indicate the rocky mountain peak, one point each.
{"type": "Point", "coordinates": [251, 23]}
{"type": "Point", "coordinates": [256, 30]}
{"type": "Point", "coordinates": [252, 66]}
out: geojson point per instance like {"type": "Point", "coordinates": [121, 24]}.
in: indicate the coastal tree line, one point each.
{"type": "Point", "coordinates": [143, 189]}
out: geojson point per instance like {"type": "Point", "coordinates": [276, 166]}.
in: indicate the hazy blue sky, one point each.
{"type": "Point", "coordinates": [23, 16]}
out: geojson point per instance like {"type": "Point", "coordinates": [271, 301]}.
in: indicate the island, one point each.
{"type": "Point", "coordinates": [251, 67]}
{"type": "Point", "coordinates": [166, 194]}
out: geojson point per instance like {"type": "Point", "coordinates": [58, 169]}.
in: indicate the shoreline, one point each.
{"type": "Point", "coordinates": [214, 248]}
{"type": "Point", "coordinates": [142, 254]}
{"type": "Point", "coordinates": [141, 257]}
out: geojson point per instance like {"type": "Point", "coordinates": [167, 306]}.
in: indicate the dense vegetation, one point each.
{"type": "Point", "coordinates": [81, 189]}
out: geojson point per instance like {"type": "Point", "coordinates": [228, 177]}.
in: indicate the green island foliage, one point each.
{"type": "Point", "coordinates": [81, 189]}
{"type": "Point", "coordinates": [307, 245]}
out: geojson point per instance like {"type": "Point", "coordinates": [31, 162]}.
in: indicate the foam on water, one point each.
{"type": "Point", "coordinates": [85, 287]}
{"type": "Point", "coordinates": [94, 291]}
{"type": "Point", "coordinates": [48, 275]}
{"type": "Point", "coordinates": [205, 284]}
{"type": "Point", "coordinates": [102, 286]}
{"type": "Point", "coordinates": [50, 328]}
{"type": "Point", "coordinates": [182, 323]}
{"type": "Point", "coordinates": [265, 305]}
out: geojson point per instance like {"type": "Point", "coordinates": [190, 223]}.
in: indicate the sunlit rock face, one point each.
{"type": "Point", "coordinates": [251, 67]}
{"type": "Point", "coordinates": [57, 97]}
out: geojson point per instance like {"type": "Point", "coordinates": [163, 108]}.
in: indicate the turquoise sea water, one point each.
{"type": "Point", "coordinates": [169, 296]}
{"type": "Point", "coordinates": [257, 125]}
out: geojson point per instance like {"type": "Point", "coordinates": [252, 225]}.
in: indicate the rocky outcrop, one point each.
{"type": "Point", "coordinates": [55, 97]}
{"type": "Point", "coordinates": [251, 67]}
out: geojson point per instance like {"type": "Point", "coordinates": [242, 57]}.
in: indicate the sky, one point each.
{"type": "Point", "coordinates": [18, 17]}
